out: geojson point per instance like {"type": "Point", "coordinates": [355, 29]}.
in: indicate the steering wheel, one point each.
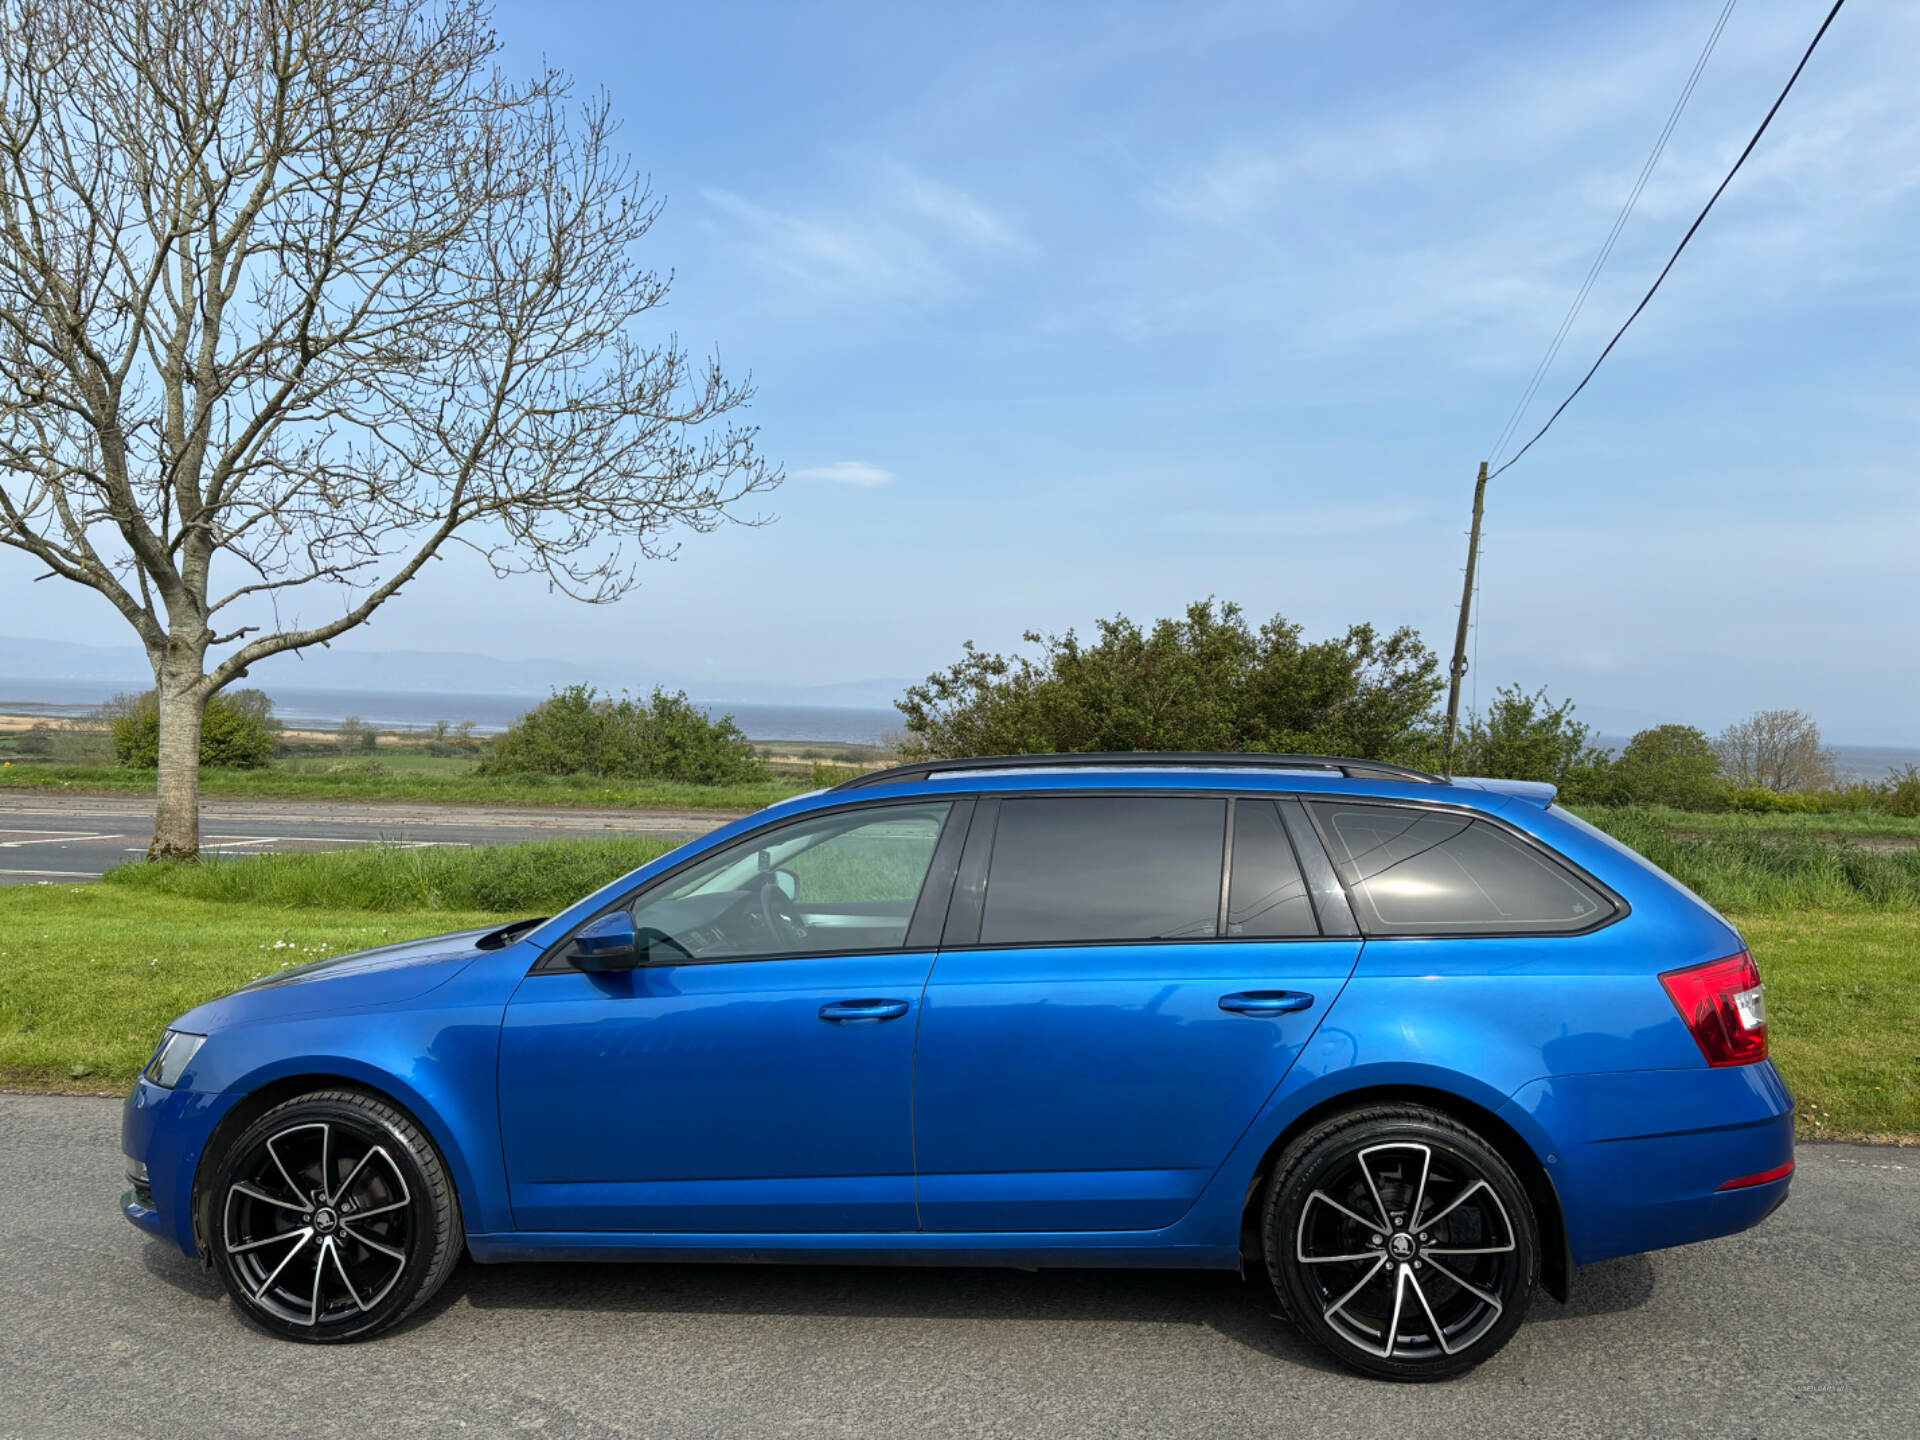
{"type": "Point", "coordinates": [779, 915]}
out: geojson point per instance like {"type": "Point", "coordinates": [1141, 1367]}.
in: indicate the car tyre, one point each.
{"type": "Point", "coordinates": [332, 1218]}
{"type": "Point", "coordinates": [1400, 1242]}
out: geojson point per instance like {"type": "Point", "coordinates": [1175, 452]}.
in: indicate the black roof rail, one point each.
{"type": "Point", "coordinates": [1146, 759]}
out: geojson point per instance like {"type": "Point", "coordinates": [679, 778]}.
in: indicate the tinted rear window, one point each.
{"type": "Point", "coordinates": [1267, 897]}
{"type": "Point", "coordinates": [1426, 872]}
{"type": "Point", "coordinates": [1104, 867]}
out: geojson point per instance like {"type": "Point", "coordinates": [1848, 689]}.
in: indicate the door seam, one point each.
{"type": "Point", "coordinates": [913, 1093]}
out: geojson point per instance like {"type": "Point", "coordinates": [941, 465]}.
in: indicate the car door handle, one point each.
{"type": "Point", "coordinates": [1266, 1002]}
{"type": "Point", "coordinates": [862, 1012]}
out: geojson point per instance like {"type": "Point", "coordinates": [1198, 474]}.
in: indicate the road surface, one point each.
{"type": "Point", "coordinates": [1807, 1326]}
{"type": "Point", "coordinates": [57, 839]}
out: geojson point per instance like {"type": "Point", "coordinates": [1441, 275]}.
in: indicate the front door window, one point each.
{"type": "Point", "coordinates": [835, 884]}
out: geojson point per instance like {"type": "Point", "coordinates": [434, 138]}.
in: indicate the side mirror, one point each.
{"type": "Point", "coordinates": [788, 883]}
{"type": "Point", "coordinates": [608, 943]}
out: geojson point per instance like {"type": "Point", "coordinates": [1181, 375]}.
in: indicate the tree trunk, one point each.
{"type": "Point", "coordinates": [176, 814]}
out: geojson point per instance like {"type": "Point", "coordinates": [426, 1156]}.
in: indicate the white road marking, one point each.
{"type": "Point", "coordinates": [234, 842]}
{"type": "Point", "coordinates": [62, 874]}
{"type": "Point", "coordinates": [58, 838]}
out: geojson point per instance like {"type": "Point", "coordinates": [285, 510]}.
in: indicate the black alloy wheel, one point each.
{"type": "Point", "coordinates": [332, 1217]}
{"type": "Point", "coordinates": [1401, 1242]}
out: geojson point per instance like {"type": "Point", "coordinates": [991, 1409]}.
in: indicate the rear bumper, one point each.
{"type": "Point", "coordinates": [1639, 1159]}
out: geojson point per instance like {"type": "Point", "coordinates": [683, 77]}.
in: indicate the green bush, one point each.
{"type": "Point", "coordinates": [237, 732]}
{"type": "Point", "coordinates": [1207, 681]}
{"type": "Point", "coordinates": [578, 731]}
{"type": "Point", "coordinates": [1900, 795]}
{"type": "Point", "coordinates": [1758, 800]}
{"type": "Point", "coordinates": [1670, 765]}
{"type": "Point", "coordinates": [1526, 736]}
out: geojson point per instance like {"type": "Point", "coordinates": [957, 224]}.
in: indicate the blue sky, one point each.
{"type": "Point", "coordinates": [1067, 309]}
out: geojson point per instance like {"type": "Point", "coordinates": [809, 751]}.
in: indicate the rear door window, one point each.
{"type": "Point", "coordinates": [1414, 871]}
{"type": "Point", "coordinates": [1266, 895]}
{"type": "Point", "coordinates": [1105, 867]}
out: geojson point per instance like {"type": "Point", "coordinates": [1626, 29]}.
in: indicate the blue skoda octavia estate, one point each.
{"type": "Point", "coordinates": [1412, 1047]}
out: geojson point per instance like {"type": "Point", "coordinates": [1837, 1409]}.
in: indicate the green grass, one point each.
{"type": "Point", "coordinates": [358, 780]}
{"type": "Point", "coordinates": [90, 975]}
{"type": "Point", "coordinates": [534, 878]}
{"type": "Point", "coordinates": [1843, 1015]}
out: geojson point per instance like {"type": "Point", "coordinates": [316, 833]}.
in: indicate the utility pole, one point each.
{"type": "Point", "coordinates": [1459, 669]}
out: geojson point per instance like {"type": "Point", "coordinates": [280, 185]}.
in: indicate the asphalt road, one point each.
{"type": "Point", "coordinates": [1808, 1326]}
{"type": "Point", "coordinates": [58, 839]}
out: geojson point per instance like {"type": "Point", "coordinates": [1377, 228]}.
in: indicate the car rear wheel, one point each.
{"type": "Point", "coordinates": [334, 1218]}
{"type": "Point", "coordinates": [1401, 1242]}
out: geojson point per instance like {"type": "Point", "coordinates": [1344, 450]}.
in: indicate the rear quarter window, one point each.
{"type": "Point", "coordinates": [1414, 871]}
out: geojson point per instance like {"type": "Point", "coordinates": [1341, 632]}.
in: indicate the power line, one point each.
{"type": "Point", "coordinates": [1606, 249]}
{"type": "Point", "coordinates": [1691, 229]}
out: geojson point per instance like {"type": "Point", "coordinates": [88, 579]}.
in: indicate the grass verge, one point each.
{"type": "Point", "coordinates": [538, 877]}
{"type": "Point", "coordinates": [1843, 1013]}
{"type": "Point", "coordinates": [91, 974]}
{"type": "Point", "coordinates": [369, 783]}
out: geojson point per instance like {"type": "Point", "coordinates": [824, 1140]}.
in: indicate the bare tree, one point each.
{"type": "Point", "coordinates": [295, 293]}
{"type": "Point", "coordinates": [1777, 749]}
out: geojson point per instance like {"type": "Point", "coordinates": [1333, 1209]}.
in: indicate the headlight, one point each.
{"type": "Point", "coordinates": [170, 1061]}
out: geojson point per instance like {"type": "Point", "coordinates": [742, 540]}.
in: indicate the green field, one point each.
{"type": "Point", "coordinates": [1764, 866]}
{"type": "Point", "coordinates": [89, 975]}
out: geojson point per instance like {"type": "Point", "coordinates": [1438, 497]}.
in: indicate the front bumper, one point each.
{"type": "Point", "coordinates": [1639, 1158]}
{"type": "Point", "coordinates": [167, 1131]}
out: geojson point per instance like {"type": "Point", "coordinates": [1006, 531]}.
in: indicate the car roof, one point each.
{"type": "Point", "coordinates": [1298, 774]}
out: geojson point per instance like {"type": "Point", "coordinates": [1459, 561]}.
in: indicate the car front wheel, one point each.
{"type": "Point", "coordinates": [1401, 1242]}
{"type": "Point", "coordinates": [333, 1218]}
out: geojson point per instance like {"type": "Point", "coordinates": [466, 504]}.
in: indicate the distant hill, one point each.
{"type": "Point", "coordinates": [423, 671]}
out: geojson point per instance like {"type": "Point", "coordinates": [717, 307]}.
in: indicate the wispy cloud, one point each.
{"type": "Point", "coordinates": [846, 472]}
{"type": "Point", "coordinates": [890, 234]}
{"type": "Point", "coordinates": [951, 211]}
{"type": "Point", "coordinates": [1306, 227]}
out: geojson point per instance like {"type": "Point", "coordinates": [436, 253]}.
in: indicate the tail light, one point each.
{"type": "Point", "coordinates": [1725, 1006]}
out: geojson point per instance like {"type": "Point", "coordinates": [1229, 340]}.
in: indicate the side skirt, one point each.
{"type": "Point", "coordinates": [1026, 1252]}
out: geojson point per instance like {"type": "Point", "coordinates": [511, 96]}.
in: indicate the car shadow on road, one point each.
{"type": "Point", "coordinates": [1608, 1288]}
{"type": "Point", "coordinates": [1242, 1310]}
